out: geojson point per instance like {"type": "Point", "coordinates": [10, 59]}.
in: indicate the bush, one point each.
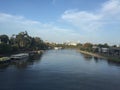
{"type": "Point", "coordinates": [5, 48]}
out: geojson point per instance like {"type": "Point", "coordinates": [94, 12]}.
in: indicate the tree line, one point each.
{"type": "Point", "coordinates": [20, 42]}
{"type": "Point", "coordinates": [86, 46]}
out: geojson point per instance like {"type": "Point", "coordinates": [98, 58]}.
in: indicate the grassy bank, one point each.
{"type": "Point", "coordinates": [113, 58]}
{"type": "Point", "coordinates": [92, 54]}
{"type": "Point", "coordinates": [110, 58]}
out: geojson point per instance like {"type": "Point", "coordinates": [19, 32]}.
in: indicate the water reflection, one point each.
{"type": "Point", "coordinates": [97, 60]}
{"type": "Point", "coordinates": [87, 57]}
{"type": "Point", "coordinates": [4, 66]}
{"type": "Point", "coordinates": [113, 63]}
{"type": "Point", "coordinates": [60, 70]}
{"type": "Point", "coordinates": [20, 64]}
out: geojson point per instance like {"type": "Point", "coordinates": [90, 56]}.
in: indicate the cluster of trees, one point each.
{"type": "Point", "coordinates": [20, 42]}
{"type": "Point", "coordinates": [89, 46]}
{"type": "Point", "coordinates": [85, 47]}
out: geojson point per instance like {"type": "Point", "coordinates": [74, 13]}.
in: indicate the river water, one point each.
{"type": "Point", "coordinates": [61, 70]}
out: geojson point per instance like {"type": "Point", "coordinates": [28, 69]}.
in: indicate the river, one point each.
{"type": "Point", "coordinates": [61, 70]}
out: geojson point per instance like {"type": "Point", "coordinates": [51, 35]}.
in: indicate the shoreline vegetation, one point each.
{"type": "Point", "coordinates": [91, 54]}
{"type": "Point", "coordinates": [24, 43]}
{"type": "Point", "coordinates": [109, 58]}
{"type": "Point", "coordinates": [20, 43]}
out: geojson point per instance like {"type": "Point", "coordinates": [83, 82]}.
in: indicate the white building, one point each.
{"type": "Point", "coordinates": [71, 43]}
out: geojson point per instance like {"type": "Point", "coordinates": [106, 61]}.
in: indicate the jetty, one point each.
{"type": "Point", "coordinates": [4, 60]}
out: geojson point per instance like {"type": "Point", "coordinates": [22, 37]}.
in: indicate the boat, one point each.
{"type": "Point", "coordinates": [57, 48]}
{"type": "Point", "coordinates": [4, 60]}
{"type": "Point", "coordinates": [20, 56]}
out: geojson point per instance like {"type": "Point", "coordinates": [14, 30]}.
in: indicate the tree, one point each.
{"type": "Point", "coordinates": [87, 46]}
{"type": "Point", "coordinates": [12, 39]}
{"type": "Point", "coordinates": [103, 45]}
{"type": "Point", "coordinates": [4, 39]}
{"type": "Point", "coordinates": [106, 45]}
{"type": "Point", "coordinates": [23, 40]}
{"type": "Point", "coordinates": [5, 48]}
{"type": "Point", "coordinates": [37, 43]}
{"type": "Point", "coordinates": [114, 46]}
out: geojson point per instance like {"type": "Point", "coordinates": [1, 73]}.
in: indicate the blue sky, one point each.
{"type": "Point", "coordinates": [95, 21]}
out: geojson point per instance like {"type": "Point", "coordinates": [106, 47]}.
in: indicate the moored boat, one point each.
{"type": "Point", "coordinates": [20, 56]}
{"type": "Point", "coordinates": [57, 48]}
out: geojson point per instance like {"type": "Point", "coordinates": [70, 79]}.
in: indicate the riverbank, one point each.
{"type": "Point", "coordinates": [92, 54]}
{"type": "Point", "coordinates": [110, 58]}
{"type": "Point", "coordinates": [12, 53]}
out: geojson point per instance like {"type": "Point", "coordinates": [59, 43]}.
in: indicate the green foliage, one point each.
{"type": "Point", "coordinates": [37, 43]}
{"type": "Point", "coordinates": [23, 40]}
{"type": "Point", "coordinates": [14, 48]}
{"type": "Point", "coordinates": [20, 42]}
{"type": "Point", "coordinates": [4, 39]}
{"type": "Point", "coordinates": [87, 47]}
{"type": "Point", "coordinates": [5, 48]}
{"type": "Point", "coordinates": [104, 45]}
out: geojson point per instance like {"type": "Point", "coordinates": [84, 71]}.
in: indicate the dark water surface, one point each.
{"type": "Point", "coordinates": [61, 70]}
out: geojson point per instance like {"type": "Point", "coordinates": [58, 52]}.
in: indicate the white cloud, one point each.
{"type": "Point", "coordinates": [84, 20]}
{"type": "Point", "coordinates": [10, 24]}
{"type": "Point", "coordinates": [111, 7]}
{"type": "Point", "coordinates": [11, 18]}
{"type": "Point", "coordinates": [107, 17]}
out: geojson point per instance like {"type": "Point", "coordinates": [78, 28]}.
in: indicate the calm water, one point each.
{"type": "Point", "coordinates": [61, 70]}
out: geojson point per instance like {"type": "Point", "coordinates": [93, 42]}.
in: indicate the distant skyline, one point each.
{"type": "Point", "coordinates": [95, 21]}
